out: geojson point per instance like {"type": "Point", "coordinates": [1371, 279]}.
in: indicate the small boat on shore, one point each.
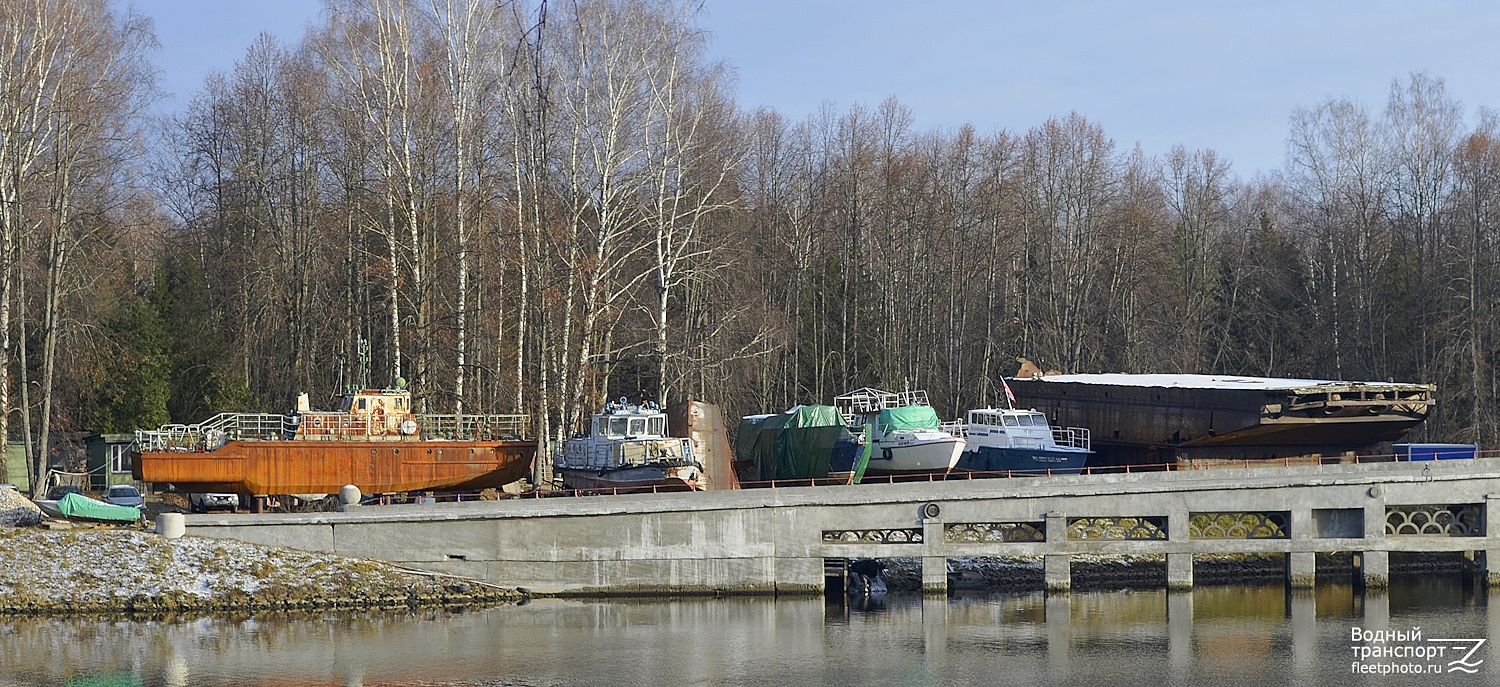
{"type": "Point", "coordinates": [628, 447]}
{"type": "Point", "coordinates": [1013, 440]}
{"type": "Point", "coordinates": [79, 507]}
{"type": "Point", "coordinates": [907, 436]}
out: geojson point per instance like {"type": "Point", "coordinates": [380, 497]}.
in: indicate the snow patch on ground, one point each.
{"type": "Point", "coordinates": [104, 565]}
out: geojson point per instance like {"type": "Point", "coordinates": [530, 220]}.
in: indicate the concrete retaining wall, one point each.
{"type": "Point", "coordinates": [775, 540]}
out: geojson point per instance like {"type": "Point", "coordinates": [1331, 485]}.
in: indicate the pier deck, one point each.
{"type": "Point", "coordinates": [777, 540]}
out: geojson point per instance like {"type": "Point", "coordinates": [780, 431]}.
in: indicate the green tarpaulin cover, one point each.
{"type": "Point", "coordinates": [75, 506]}
{"type": "Point", "coordinates": [797, 444]}
{"type": "Point", "coordinates": [908, 417]}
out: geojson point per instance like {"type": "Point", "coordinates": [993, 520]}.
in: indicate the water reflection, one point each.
{"type": "Point", "coordinates": [1210, 636]}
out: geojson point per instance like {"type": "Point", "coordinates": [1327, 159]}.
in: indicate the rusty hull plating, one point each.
{"type": "Point", "coordinates": [374, 442]}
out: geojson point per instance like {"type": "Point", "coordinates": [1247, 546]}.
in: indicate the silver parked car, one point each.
{"type": "Point", "coordinates": [123, 495]}
{"type": "Point", "coordinates": [203, 503]}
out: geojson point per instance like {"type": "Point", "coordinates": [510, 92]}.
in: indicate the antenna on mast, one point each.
{"type": "Point", "coordinates": [362, 377]}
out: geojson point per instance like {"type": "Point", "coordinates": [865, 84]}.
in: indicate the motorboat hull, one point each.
{"type": "Point", "coordinates": [1024, 461]}
{"type": "Point", "coordinates": [915, 457]}
{"type": "Point", "coordinates": [636, 478]}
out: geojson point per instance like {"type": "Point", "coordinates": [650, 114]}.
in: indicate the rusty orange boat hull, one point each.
{"type": "Point", "coordinates": [324, 467]}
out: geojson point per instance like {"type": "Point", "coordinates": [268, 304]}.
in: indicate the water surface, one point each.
{"type": "Point", "coordinates": [1211, 636]}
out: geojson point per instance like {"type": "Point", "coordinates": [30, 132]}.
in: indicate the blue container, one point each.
{"type": "Point", "coordinates": [1435, 451]}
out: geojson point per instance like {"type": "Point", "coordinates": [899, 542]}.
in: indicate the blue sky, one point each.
{"type": "Point", "coordinates": [1203, 74]}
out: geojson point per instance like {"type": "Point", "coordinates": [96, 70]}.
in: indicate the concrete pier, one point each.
{"type": "Point", "coordinates": [1302, 569]}
{"type": "Point", "coordinates": [1179, 571]}
{"type": "Point", "coordinates": [1375, 569]}
{"type": "Point", "coordinates": [1058, 572]}
{"type": "Point", "coordinates": [775, 541]}
{"type": "Point", "coordinates": [934, 575]}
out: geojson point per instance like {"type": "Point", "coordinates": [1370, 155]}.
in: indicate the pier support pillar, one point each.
{"type": "Point", "coordinates": [1487, 568]}
{"type": "Point", "coordinates": [1057, 569]}
{"type": "Point", "coordinates": [934, 575]}
{"type": "Point", "coordinates": [1375, 569]}
{"type": "Point", "coordinates": [1179, 572]}
{"type": "Point", "coordinates": [1302, 570]}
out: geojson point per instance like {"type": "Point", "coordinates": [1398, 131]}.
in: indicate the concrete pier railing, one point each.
{"type": "Point", "coordinates": [776, 540]}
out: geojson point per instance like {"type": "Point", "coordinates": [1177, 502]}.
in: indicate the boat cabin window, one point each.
{"type": "Point", "coordinates": [637, 426]}
{"type": "Point", "coordinates": [1038, 420]}
{"type": "Point", "coordinates": [658, 426]}
{"type": "Point", "coordinates": [618, 425]}
{"type": "Point", "coordinates": [400, 403]}
{"type": "Point", "coordinates": [361, 405]}
{"type": "Point", "coordinates": [1010, 420]}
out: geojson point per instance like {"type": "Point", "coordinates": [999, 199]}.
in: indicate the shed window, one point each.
{"type": "Point", "coordinates": [119, 458]}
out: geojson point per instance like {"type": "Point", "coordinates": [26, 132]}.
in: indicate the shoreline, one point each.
{"type": "Point", "coordinates": [127, 571]}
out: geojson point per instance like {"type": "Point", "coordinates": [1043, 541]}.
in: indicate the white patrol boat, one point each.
{"type": "Point", "coordinates": [627, 447]}
{"type": "Point", "coordinates": [1021, 441]}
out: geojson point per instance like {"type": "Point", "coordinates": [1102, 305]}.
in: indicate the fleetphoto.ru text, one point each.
{"type": "Point", "coordinates": [1407, 652]}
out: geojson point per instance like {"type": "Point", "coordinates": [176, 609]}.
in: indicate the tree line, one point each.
{"type": "Point", "coordinates": [532, 207]}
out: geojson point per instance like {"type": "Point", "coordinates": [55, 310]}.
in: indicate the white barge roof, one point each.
{"type": "Point", "coordinates": [1190, 381]}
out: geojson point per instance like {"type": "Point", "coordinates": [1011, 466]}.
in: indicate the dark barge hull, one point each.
{"type": "Point", "coordinates": [1158, 419]}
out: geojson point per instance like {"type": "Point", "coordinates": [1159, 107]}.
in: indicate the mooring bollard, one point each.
{"type": "Point", "coordinates": [171, 525]}
{"type": "Point", "coordinates": [349, 497]}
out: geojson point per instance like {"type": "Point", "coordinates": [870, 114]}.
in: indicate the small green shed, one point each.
{"type": "Point", "coordinates": [109, 460]}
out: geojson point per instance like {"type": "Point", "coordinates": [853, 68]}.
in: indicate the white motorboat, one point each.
{"type": "Point", "coordinates": [627, 447]}
{"type": "Point", "coordinates": [1016, 441]}
{"type": "Point", "coordinates": [907, 436]}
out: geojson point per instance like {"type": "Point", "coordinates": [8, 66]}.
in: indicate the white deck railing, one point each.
{"type": "Point", "coordinates": [474, 427]}
{"type": "Point", "coordinates": [226, 427]}
{"type": "Point", "coordinates": [1072, 437]}
{"type": "Point", "coordinates": [215, 432]}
